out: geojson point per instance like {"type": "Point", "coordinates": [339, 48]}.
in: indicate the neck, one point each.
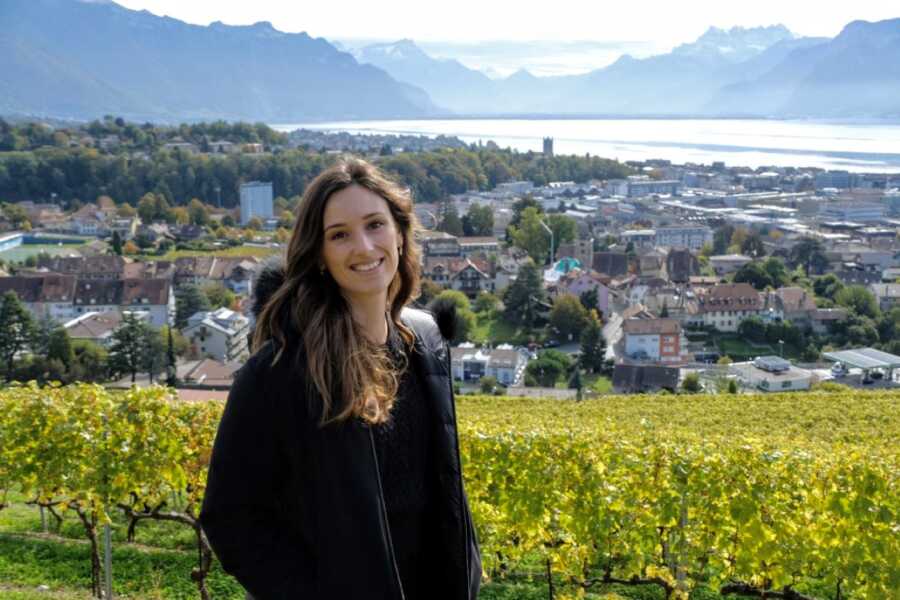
{"type": "Point", "coordinates": [370, 315]}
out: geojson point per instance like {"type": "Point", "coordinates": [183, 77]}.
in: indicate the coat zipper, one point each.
{"type": "Point", "coordinates": [384, 511]}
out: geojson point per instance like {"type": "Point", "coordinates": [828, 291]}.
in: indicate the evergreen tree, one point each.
{"type": "Point", "coordinates": [593, 346]}
{"type": "Point", "coordinates": [171, 377]}
{"type": "Point", "coordinates": [127, 351]}
{"type": "Point", "coordinates": [16, 330]}
{"type": "Point", "coordinates": [117, 243]}
{"type": "Point", "coordinates": [153, 359]}
{"type": "Point", "coordinates": [189, 300]}
{"type": "Point", "coordinates": [523, 295]}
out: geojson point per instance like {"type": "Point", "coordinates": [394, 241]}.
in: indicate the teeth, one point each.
{"type": "Point", "coordinates": [367, 267]}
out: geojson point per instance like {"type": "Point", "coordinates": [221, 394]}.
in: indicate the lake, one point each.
{"type": "Point", "coordinates": [854, 146]}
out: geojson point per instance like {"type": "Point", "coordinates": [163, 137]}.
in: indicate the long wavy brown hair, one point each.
{"type": "Point", "coordinates": [353, 376]}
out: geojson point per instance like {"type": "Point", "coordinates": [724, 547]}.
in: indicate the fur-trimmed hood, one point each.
{"type": "Point", "coordinates": [271, 276]}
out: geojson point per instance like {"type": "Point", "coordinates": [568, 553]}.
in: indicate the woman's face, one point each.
{"type": "Point", "coordinates": [360, 244]}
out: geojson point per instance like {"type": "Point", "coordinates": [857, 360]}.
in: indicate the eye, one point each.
{"type": "Point", "coordinates": [373, 224]}
{"type": "Point", "coordinates": [336, 235]}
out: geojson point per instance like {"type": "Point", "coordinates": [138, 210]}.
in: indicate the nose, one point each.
{"type": "Point", "coordinates": [364, 243]}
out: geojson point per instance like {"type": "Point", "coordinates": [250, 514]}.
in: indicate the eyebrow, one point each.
{"type": "Point", "coordinates": [374, 214]}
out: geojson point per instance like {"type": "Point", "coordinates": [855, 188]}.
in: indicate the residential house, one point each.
{"type": "Point", "coordinates": [657, 340]}
{"type": "Point", "coordinates": [692, 237]}
{"type": "Point", "coordinates": [652, 263]}
{"type": "Point", "coordinates": [152, 296]}
{"type": "Point", "coordinates": [207, 373]}
{"type": "Point", "coordinates": [90, 267]}
{"type": "Point", "coordinates": [98, 327]}
{"type": "Point", "coordinates": [580, 281]}
{"type": "Point", "coordinates": [469, 246]}
{"type": "Point", "coordinates": [221, 334]}
{"type": "Point", "coordinates": [724, 306]}
{"type": "Point", "coordinates": [46, 296]}
{"type": "Point", "coordinates": [887, 294]}
{"type": "Point", "coordinates": [439, 243]}
{"type": "Point", "coordinates": [468, 363]}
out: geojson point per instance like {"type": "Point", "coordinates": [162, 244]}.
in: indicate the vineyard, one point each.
{"type": "Point", "coordinates": [779, 496]}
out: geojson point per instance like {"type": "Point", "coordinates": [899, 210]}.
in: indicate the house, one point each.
{"type": "Point", "coordinates": [469, 246]}
{"type": "Point", "coordinates": [90, 267]}
{"type": "Point", "coordinates": [152, 296]}
{"type": "Point", "coordinates": [724, 306]}
{"type": "Point", "coordinates": [98, 327]}
{"type": "Point", "coordinates": [792, 304]}
{"type": "Point", "coordinates": [45, 296]}
{"type": "Point", "coordinates": [821, 319]}
{"type": "Point", "coordinates": [207, 373]}
{"type": "Point", "coordinates": [692, 237]}
{"type": "Point", "coordinates": [463, 274]}
{"type": "Point", "coordinates": [468, 363]}
{"type": "Point", "coordinates": [220, 334]}
{"type": "Point", "coordinates": [657, 340]}
{"type": "Point", "coordinates": [579, 281]}
{"type": "Point", "coordinates": [728, 263]}
{"type": "Point", "coordinates": [652, 263]}
{"type": "Point", "coordinates": [635, 379]}
{"type": "Point", "coordinates": [887, 294]}
{"type": "Point", "coordinates": [439, 243]}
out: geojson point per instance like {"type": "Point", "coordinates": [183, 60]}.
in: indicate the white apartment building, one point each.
{"type": "Point", "coordinates": [220, 334]}
{"type": "Point", "coordinates": [692, 237]}
{"type": "Point", "coordinates": [256, 201]}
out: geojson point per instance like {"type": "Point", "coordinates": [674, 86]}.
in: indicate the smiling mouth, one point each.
{"type": "Point", "coordinates": [368, 266]}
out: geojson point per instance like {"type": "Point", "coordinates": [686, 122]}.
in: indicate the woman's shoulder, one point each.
{"type": "Point", "coordinates": [272, 366]}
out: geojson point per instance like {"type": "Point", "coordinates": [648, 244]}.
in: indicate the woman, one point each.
{"type": "Point", "coordinates": [335, 472]}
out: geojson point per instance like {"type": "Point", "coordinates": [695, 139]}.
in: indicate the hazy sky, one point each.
{"type": "Point", "coordinates": [641, 28]}
{"type": "Point", "coordinates": [663, 21]}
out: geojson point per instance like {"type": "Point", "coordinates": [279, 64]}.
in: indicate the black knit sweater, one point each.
{"type": "Point", "coordinates": [403, 447]}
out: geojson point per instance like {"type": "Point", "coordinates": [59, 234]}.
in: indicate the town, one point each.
{"type": "Point", "coordinates": [674, 277]}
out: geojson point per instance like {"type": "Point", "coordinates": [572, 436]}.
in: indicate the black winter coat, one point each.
{"type": "Point", "coordinates": [296, 512]}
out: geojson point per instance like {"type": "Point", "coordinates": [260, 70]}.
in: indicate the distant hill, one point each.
{"type": "Point", "coordinates": [79, 59]}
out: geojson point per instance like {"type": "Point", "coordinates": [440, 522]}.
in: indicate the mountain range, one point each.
{"type": "Point", "coordinates": [85, 58]}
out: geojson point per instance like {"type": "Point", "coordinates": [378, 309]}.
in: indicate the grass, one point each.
{"type": "Point", "coordinates": [490, 327]}
{"type": "Point", "coordinates": [20, 253]}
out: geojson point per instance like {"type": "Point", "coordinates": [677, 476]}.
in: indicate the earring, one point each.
{"type": "Point", "coordinates": [321, 269]}
{"type": "Point", "coordinates": [400, 250]}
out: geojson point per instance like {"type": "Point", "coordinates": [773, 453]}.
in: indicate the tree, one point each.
{"type": "Point", "coordinates": [428, 290]}
{"type": "Point", "coordinates": [171, 363]}
{"type": "Point", "coordinates": [59, 347]}
{"type": "Point", "coordinates": [218, 295]}
{"type": "Point", "coordinates": [722, 239]}
{"type": "Point", "coordinates": [589, 298]}
{"type": "Point", "coordinates": [198, 212]}
{"type": "Point", "coordinates": [568, 316]}
{"type": "Point", "coordinates": [859, 300]}
{"type": "Point", "coordinates": [564, 228]}
{"type": "Point", "coordinates": [450, 221]}
{"type": "Point", "coordinates": [130, 248]}
{"type": "Point", "coordinates": [127, 351]}
{"type": "Point", "coordinates": [153, 359]}
{"type": "Point", "coordinates": [753, 246]}
{"type": "Point", "coordinates": [593, 346]}
{"type": "Point", "coordinates": [117, 243]}
{"type": "Point", "coordinates": [488, 384]}
{"type": "Point", "coordinates": [126, 211]}
{"type": "Point", "coordinates": [775, 269]}
{"type": "Point", "coordinates": [90, 362]}
{"type": "Point", "coordinates": [465, 318]}
{"type": "Point", "coordinates": [486, 302]}
{"type": "Point", "coordinates": [754, 274]}
{"type": "Point", "coordinates": [752, 328]}
{"type": "Point", "coordinates": [546, 370]}
{"type": "Point", "coordinates": [16, 329]}
{"type": "Point", "coordinates": [478, 221]}
{"type": "Point", "coordinates": [827, 286]}
{"type": "Point", "coordinates": [146, 208]}
{"type": "Point", "coordinates": [531, 236]}
{"type": "Point", "coordinates": [809, 253]}
{"type": "Point", "coordinates": [189, 300]}
{"type": "Point", "coordinates": [254, 223]}
{"type": "Point", "coordinates": [519, 207]}
{"type": "Point", "coordinates": [691, 383]}
{"type": "Point", "coordinates": [523, 295]}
